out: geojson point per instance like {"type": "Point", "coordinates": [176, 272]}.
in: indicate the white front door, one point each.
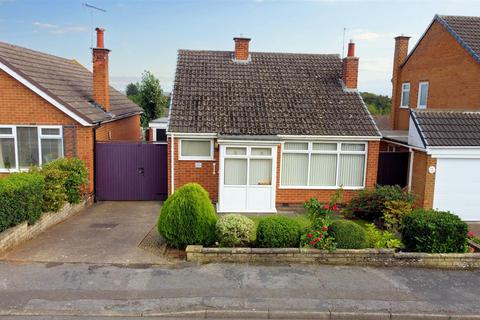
{"type": "Point", "coordinates": [247, 178]}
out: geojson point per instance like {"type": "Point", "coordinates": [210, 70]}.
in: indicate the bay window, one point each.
{"type": "Point", "coordinates": [24, 146]}
{"type": "Point", "coordinates": [316, 165]}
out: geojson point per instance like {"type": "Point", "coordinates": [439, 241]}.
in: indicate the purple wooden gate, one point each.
{"type": "Point", "coordinates": [130, 171]}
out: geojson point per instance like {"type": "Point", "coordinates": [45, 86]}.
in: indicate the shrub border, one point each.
{"type": "Point", "coordinates": [364, 257]}
{"type": "Point", "coordinates": [23, 232]}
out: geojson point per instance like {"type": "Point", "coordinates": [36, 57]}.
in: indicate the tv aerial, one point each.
{"type": "Point", "coordinates": [92, 9]}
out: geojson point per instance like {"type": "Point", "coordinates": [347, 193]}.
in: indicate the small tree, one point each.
{"type": "Point", "coordinates": [148, 94]}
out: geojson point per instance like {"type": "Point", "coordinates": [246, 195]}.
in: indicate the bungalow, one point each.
{"type": "Point", "coordinates": [261, 131]}
{"type": "Point", "coordinates": [436, 114]}
{"type": "Point", "coordinates": [52, 107]}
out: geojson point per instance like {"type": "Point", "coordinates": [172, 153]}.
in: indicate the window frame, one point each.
{"type": "Point", "coordinates": [40, 136]}
{"type": "Point", "coordinates": [401, 95]}
{"type": "Point", "coordinates": [338, 152]}
{"type": "Point", "coordinates": [194, 158]}
{"type": "Point", "coordinates": [422, 106]}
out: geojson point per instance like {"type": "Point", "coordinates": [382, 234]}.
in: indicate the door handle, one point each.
{"type": "Point", "coordinates": [141, 171]}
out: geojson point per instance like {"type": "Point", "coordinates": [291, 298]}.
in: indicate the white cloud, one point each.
{"type": "Point", "coordinates": [367, 35]}
{"type": "Point", "coordinates": [56, 29]}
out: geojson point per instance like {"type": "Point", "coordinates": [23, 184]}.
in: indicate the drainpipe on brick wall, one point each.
{"type": "Point", "coordinates": [173, 162]}
{"type": "Point", "coordinates": [410, 168]}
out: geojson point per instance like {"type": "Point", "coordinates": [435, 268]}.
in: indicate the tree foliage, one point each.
{"type": "Point", "coordinates": [148, 94]}
{"type": "Point", "coordinates": [377, 104]}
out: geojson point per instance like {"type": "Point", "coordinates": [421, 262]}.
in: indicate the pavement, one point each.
{"type": "Point", "coordinates": [106, 232]}
{"type": "Point", "coordinates": [220, 290]}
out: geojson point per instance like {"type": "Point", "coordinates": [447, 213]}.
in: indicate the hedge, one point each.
{"type": "Point", "coordinates": [21, 199]}
{"type": "Point", "coordinates": [278, 232]}
{"type": "Point", "coordinates": [348, 234]}
{"type": "Point", "coordinates": [434, 232]}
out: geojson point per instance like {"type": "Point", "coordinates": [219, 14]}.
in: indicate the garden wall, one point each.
{"type": "Point", "coordinates": [23, 232]}
{"type": "Point", "coordinates": [366, 257]}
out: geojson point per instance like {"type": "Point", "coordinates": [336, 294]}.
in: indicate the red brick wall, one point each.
{"type": "Point", "coordinates": [423, 182]}
{"type": "Point", "coordinates": [350, 72]}
{"type": "Point", "coordinates": [451, 71]}
{"type": "Point", "coordinates": [299, 196]}
{"type": "Point", "coordinates": [21, 106]}
{"type": "Point", "coordinates": [186, 172]}
{"type": "Point", "coordinates": [127, 129]}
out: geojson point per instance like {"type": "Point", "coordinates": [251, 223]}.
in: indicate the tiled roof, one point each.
{"type": "Point", "coordinates": [448, 128]}
{"type": "Point", "coordinates": [466, 30]}
{"type": "Point", "coordinates": [66, 81]}
{"type": "Point", "coordinates": [274, 93]}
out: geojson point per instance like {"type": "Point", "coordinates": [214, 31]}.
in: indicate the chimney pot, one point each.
{"type": "Point", "coordinates": [241, 48]}
{"type": "Point", "coordinates": [100, 37]}
{"type": "Point", "coordinates": [101, 88]}
{"type": "Point", "coordinates": [351, 49]}
{"type": "Point", "coordinates": [350, 68]}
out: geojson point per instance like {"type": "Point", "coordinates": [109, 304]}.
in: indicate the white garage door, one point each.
{"type": "Point", "coordinates": [457, 187]}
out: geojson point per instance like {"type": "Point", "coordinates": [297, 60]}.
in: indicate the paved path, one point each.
{"type": "Point", "coordinates": [107, 232]}
{"type": "Point", "coordinates": [66, 289]}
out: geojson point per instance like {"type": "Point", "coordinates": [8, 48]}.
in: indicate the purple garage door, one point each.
{"type": "Point", "coordinates": [130, 171]}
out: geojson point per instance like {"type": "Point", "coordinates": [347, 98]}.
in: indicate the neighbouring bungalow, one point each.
{"type": "Point", "coordinates": [52, 107]}
{"type": "Point", "coordinates": [264, 131]}
{"type": "Point", "coordinates": [436, 115]}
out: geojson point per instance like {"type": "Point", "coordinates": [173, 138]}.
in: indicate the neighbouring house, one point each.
{"type": "Point", "coordinates": [52, 107]}
{"type": "Point", "coordinates": [261, 131]}
{"type": "Point", "coordinates": [436, 112]}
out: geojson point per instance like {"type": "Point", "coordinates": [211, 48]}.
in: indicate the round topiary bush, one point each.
{"type": "Point", "coordinates": [348, 234]}
{"type": "Point", "coordinates": [278, 232]}
{"type": "Point", "coordinates": [434, 232]}
{"type": "Point", "coordinates": [234, 230]}
{"type": "Point", "coordinates": [188, 217]}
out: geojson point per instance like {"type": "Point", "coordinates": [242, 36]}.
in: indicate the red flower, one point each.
{"type": "Point", "coordinates": [324, 228]}
{"type": "Point", "coordinates": [309, 235]}
{"type": "Point", "coordinates": [335, 207]}
{"type": "Point", "coordinates": [326, 206]}
{"type": "Point", "coordinates": [317, 239]}
{"type": "Point", "coordinates": [321, 235]}
{"type": "Point", "coordinates": [471, 234]}
{"type": "Point", "coordinates": [312, 243]}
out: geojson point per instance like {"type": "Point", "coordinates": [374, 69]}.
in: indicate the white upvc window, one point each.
{"type": "Point", "coordinates": [405, 97]}
{"type": "Point", "coordinates": [248, 166]}
{"type": "Point", "coordinates": [196, 149]}
{"type": "Point", "coordinates": [24, 146]}
{"type": "Point", "coordinates": [422, 95]}
{"type": "Point", "coordinates": [323, 165]}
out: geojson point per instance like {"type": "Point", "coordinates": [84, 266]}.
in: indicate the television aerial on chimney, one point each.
{"type": "Point", "coordinates": [92, 9]}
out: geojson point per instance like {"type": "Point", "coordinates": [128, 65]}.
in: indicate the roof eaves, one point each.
{"type": "Point", "coordinates": [413, 115]}
{"type": "Point", "coordinates": [465, 45]}
{"type": "Point", "coordinates": [44, 93]}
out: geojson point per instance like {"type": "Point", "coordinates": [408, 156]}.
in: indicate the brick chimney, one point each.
{"type": "Point", "coordinates": [399, 56]}
{"type": "Point", "coordinates": [241, 49]}
{"type": "Point", "coordinates": [350, 68]}
{"type": "Point", "coordinates": [101, 92]}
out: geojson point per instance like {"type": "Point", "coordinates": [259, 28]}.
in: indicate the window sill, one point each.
{"type": "Point", "coordinates": [404, 107]}
{"type": "Point", "coordinates": [321, 188]}
{"type": "Point", "coordinates": [196, 159]}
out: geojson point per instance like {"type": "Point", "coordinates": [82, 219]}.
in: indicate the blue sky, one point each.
{"type": "Point", "coordinates": [145, 35]}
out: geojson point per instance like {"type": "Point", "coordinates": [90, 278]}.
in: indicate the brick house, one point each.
{"type": "Point", "coordinates": [435, 112]}
{"type": "Point", "coordinates": [52, 107]}
{"type": "Point", "coordinates": [261, 131]}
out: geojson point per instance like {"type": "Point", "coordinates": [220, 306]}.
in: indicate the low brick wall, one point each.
{"type": "Point", "coordinates": [366, 257]}
{"type": "Point", "coordinates": [23, 232]}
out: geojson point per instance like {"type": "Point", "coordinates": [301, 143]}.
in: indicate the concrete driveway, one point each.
{"type": "Point", "coordinates": [107, 232]}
